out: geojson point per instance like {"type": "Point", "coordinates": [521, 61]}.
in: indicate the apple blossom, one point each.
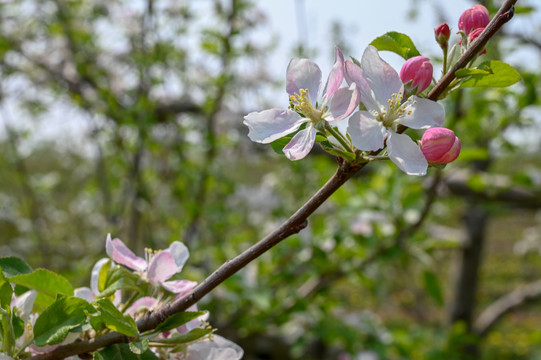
{"type": "Point", "coordinates": [308, 106]}
{"type": "Point", "coordinates": [158, 267]}
{"type": "Point", "coordinates": [381, 92]}
{"type": "Point", "coordinates": [440, 145]}
{"type": "Point", "coordinates": [416, 74]}
{"type": "Point", "coordinates": [474, 35]}
{"type": "Point", "coordinates": [475, 17]}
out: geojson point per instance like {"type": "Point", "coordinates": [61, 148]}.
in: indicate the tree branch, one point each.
{"type": "Point", "coordinates": [505, 304]}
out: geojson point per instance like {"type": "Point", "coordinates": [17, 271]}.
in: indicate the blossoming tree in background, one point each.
{"type": "Point", "coordinates": [365, 113]}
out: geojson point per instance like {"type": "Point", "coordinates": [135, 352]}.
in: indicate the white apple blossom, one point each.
{"type": "Point", "coordinates": [381, 92]}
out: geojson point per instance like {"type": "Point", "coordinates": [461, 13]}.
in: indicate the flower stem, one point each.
{"type": "Point", "coordinates": [338, 136]}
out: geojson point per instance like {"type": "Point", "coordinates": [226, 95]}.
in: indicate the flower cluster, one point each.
{"type": "Point", "coordinates": [389, 101]}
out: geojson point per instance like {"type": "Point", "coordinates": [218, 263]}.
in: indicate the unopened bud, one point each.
{"type": "Point", "coordinates": [442, 34]}
{"type": "Point", "coordinates": [475, 17]}
{"type": "Point", "coordinates": [440, 145]}
{"type": "Point", "coordinates": [416, 74]}
{"type": "Point", "coordinates": [474, 35]}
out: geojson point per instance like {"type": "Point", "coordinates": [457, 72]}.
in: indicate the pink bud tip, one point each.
{"type": "Point", "coordinates": [418, 72]}
{"type": "Point", "coordinates": [474, 35]}
{"type": "Point", "coordinates": [475, 17]}
{"type": "Point", "coordinates": [442, 34]}
{"type": "Point", "coordinates": [440, 145]}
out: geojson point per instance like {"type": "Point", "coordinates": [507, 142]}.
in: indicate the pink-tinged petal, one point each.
{"type": "Point", "coordinates": [180, 287]}
{"type": "Point", "coordinates": [366, 132]}
{"type": "Point", "coordinates": [162, 267]}
{"type": "Point", "coordinates": [144, 303]}
{"type": "Point", "coordinates": [180, 253]}
{"type": "Point", "coordinates": [301, 144]}
{"type": "Point", "coordinates": [354, 74]}
{"type": "Point", "coordinates": [269, 125]}
{"type": "Point", "coordinates": [421, 113]}
{"type": "Point", "coordinates": [405, 153]}
{"type": "Point", "coordinates": [383, 79]}
{"type": "Point", "coordinates": [336, 76]}
{"type": "Point", "coordinates": [94, 275]}
{"type": "Point", "coordinates": [303, 74]}
{"type": "Point", "coordinates": [343, 103]}
{"type": "Point", "coordinates": [25, 304]}
{"type": "Point", "coordinates": [122, 255]}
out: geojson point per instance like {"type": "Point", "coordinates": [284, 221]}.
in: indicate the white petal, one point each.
{"type": "Point", "coordinates": [301, 144]}
{"type": "Point", "coordinates": [383, 79]}
{"type": "Point", "coordinates": [217, 349]}
{"type": "Point", "coordinates": [422, 113]}
{"type": "Point", "coordinates": [303, 74]}
{"type": "Point", "coordinates": [405, 153]}
{"type": "Point", "coordinates": [269, 125]}
{"type": "Point", "coordinates": [354, 74]}
{"type": "Point", "coordinates": [95, 274]}
{"type": "Point", "coordinates": [84, 293]}
{"type": "Point", "coordinates": [336, 76]}
{"type": "Point", "coordinates": [162, 267]}
{"type": "Point", "coordinates": [365, 131]}
{"type": "Point", "coordinates": [343, 103]}
{"type": "Point", "coordinates": [180, 253]}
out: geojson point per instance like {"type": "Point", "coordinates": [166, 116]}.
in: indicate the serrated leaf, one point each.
{"type": "Point", "coordinates": [102, 276]}
{"type": "Point", "coordinates": [139, 347]}
{"type": "Point", "coordinates": [396, 42]}
{"type": "Point", "coordinates": [12, 266]}
{"type": "Point", "coordinates": [123, 352]}
{"type": "Point", "coordinates": [460, 73]}
{"type": "Point", "coordinates": [119, 278]}
{"type": "Point", "coordinates": [56, 321]}
{"type": "Point", "coordinates": [177, 320]}
{"type": "Point", "coordinates": [193, 335]}
{"type": "Point", "coordinates": [492, 73]}
{"type": "Point", "coordinates": [115, 320]}
{"type": "Point", "coordinates": [432, 285]}
{"type": "Point", "coordinates": [45, 282]}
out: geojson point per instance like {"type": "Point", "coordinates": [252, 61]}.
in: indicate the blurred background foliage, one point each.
{"type": "Point", "coordinates": [154, 92]}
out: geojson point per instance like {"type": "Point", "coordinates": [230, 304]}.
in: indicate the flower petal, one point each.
{"type": "Point", "coordinates": [217, 349]}
{"type": "Point", "coordinates": [343, 103]}
{"type": "Point", "coordinates": [84, 293]}
{"type": "Point", "coordinates": [94, 275]}
{"type": "Point", "coordinates": [180, 287]}
{"type": "Point", "coordinates": [422, 113]}
{"type": "Point", "coordinates": [144, 303]}
{"type": "Point", "coordinates": [301, 144]}
{"type": "Point", "coordinates": [354, 74]}
{"type": "Point", "coordinates": [365, 131]}
{"type": "Point", "coordinates": [383, 79]}
{"type": "Point", "coordinates": [122, 255]}
{"type": "Point", "coordinates": [269, 125]}
{"type": "Point", "coordinates": [303, 74]}
{"type": "Point", "coordinates": [405, 153]}
{"type": "Point", "coordinates": [180, 253]}
{"type": "Point", "coordinates": [162, 266]}
{"type": "Point", "coordinates": [336, 76]}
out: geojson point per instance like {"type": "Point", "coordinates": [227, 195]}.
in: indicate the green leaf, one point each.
{"type": "Point", "coordinates": [56, 321]}
{"type": "Point", "coordinates": [45, 282]}
{"type": "Point", "coordinates": [5, 292]}
{"type": "Point", "coordinates": [278, 145]}
{"type": "Point", "coordinates": [396, 42]}
{"type": "Point", "coordinates": [12, 266]}
{"type": "Point", "coordinates": [432, 285]}
{"type": "Point", "coordinates": [193, 335]}
{"type": "Point", "coordinates": [115, 320]}
{"type": "Point", "coordinates": [123, 352]}
{"type": "Point", "coordinates": [328, 147]}
{"type": "Point", "coordinates": [491, 73]}
{"type": "Point", "coordinates": [102, 276]}
{"type": "Point", "coordinates": [177, 320]}
{"type": "Point", "coordinates": [18, 326]}
{"type": "Point", "coordinates": [119, 278]}
{"type": "Point", "coordinates": [139, 347]}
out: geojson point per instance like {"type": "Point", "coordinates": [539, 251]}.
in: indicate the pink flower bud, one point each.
{"type": "Point", "coordinates": [474, 35]}
{"type": "Point", "coordinates": [442, 34]}
{"type": "Point", "coordinates": [440, 145]}
{"type": "Point", "coordinates": [475, 17]}
{"type": "Point", "coordinates": [416, 73]}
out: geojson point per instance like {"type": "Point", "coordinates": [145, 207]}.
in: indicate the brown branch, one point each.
{"type": "Point", "coordinates": [292, 226]}
{"type": "Point", "coordinates": [506, 304]}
